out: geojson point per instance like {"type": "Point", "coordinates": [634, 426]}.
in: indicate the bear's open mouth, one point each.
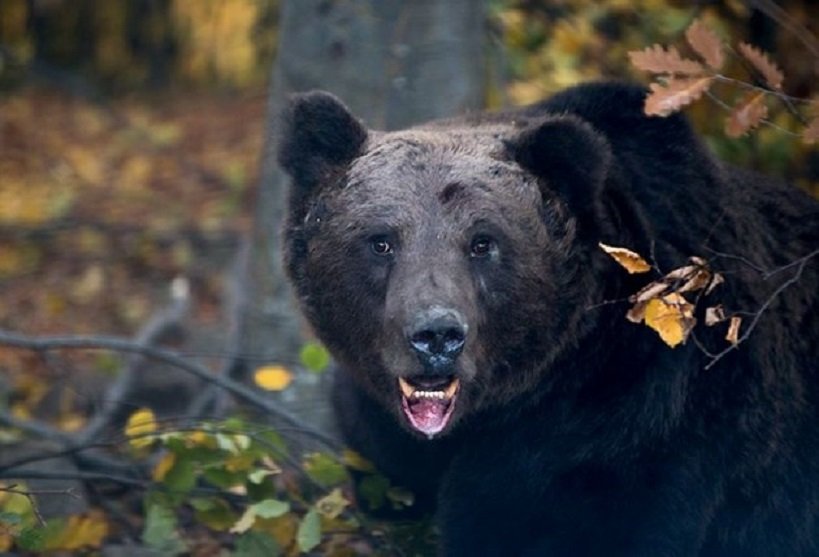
{"type": "Point", "coordinates": [428, 406]}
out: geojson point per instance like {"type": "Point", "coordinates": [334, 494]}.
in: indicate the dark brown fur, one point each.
{"type": "Point", "coordinates": [575, 432]}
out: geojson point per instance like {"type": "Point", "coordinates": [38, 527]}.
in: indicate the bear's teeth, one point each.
{"type": "Point", "coordinates": [429, 394]}
{"type": "Point", "coordinates": [411, 392]}
{"type": "Point", "coordinates": [406, 388]}
{"type": "Point", "coordinates": [450, 391]}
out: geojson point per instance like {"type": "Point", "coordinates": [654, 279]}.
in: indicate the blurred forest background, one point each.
{"type": "Point", "coordinates": [138, 200]}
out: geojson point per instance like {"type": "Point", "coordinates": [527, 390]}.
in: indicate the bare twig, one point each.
{"type": "Point", "coordinates": [800, 266]}
{"type": "Point", "coordinates": [31, 494]}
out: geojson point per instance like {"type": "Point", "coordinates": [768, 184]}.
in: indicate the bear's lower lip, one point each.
{"type": "Point", "coordinates": [428, 411]}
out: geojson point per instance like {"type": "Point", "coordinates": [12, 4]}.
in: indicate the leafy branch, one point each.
{"type": "Point", "coordinates": [682, 81]}
{"type": "Point", "coordinates": [668, 304]}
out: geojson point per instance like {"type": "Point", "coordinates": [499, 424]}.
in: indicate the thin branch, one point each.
{"type": "Point", "coordinates": [30, 495]}
{"type": "Point", "coordinates": [119, 390]}
{"type": "Point", "coordinates": [795, 278]}
{"type": "Point", "coordinates": [102, 342]}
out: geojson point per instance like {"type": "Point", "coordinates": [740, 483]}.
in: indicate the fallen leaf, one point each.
{"type": "Point", "coordinates": [273, 378]}
{"type": "Point", "coordinates": [629, 260]}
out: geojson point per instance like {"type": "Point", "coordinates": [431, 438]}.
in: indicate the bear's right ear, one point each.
{"type": "Point", "coordinates": [571, 157]}
{"type": "Point", "coordinates": [318, 134]}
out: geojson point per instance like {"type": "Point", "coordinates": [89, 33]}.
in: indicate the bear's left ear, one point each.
{"type": "Point", "coordinates": [569, 155]}
{"type": "Point", "coordinates": [318, 133]}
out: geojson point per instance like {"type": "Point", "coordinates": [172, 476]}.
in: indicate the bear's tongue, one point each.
{"type": "Point", "coordinates": [428, 411]}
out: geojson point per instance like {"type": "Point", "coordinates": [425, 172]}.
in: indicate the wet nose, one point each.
{"type": "Point", "coordinates": [437, 336]}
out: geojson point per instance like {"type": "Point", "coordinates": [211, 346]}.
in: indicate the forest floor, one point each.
{"type": "Point", "coordinates": [102, 205]}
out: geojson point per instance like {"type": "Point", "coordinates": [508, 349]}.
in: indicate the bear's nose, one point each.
{"type": "Point", "coordinates": [437, 336]}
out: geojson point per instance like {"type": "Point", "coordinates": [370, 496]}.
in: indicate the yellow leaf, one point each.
{"type": "Point", "coordinates": [245, 522]}
{"type": "Point", "coordinates": [631, 261]}
{"type": "Point", "coordinates": [200, 438]}
{"type": "Point", "coordinates": [273, 378]}
{"type": "Point", "coordinates": [164, 466]}
{"type": "Point", "coordinates": [671, 316]}
{"type": "Point", "coordinates": [140, 426]}
{"type": "Point", "coordinates": [332, 504]}
{"type": "Point", "coordinates": [80, 531]}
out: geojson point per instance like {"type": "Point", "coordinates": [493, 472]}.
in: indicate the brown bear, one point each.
{"type": "Point", "coordinates": [453, 271]}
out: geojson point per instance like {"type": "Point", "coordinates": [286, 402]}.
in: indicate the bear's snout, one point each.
{"type": "Point", "coordinates": [437, 336]}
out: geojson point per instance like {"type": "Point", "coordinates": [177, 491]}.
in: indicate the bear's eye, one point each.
{"type": "Point", "coordinates": [380, 246]}
{"type": "Point", "coordinates": [482, 246]}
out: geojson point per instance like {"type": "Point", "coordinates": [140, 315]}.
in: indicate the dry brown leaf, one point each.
{"type": "Point", "coordinates": [811, 134]}
{"type": "Point", "coordinates": [733, 330]}
{"type": "Point", "coordinates": [764, 65]}
{"type": "Point", "coordinates": [700, 280]}
{"type": "Point", "coordinates": [651, 290]}
{"type": "Point", "coordinates": [681, 273]}
{"type": "Point", "coordinates": [706, 43]}
{"type": "Point", "coordinates": [674, 95]}
{"type": "Point", "coordinates": [714, 315]}
{"type": "Point", "coordinates": [637, 312]}
{"type": "Point", "coordinates": [629, 260]}
{"type": "Point", "coordinates": [746, 115]}
{"type": "Point", "coordinates": [656, 59]}
{"type": "Point", "coordinates": [672, 316]}
{"type": "Point", "coordinates": [716, 280]}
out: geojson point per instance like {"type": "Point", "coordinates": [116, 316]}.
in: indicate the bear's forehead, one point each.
{"type": "Point", "coordinates": [422, 179]}
{"type": "Point", "coordinates": [445, 166]}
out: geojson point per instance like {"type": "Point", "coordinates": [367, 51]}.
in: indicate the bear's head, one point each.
{"type": "Point", "coordinates": [443, 265]}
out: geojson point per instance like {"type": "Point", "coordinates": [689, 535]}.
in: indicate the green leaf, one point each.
{"type": "Point", "coordinates": [31, 539]}
{"type": "Point", "coordinates": [271, 508]}
{"type": "Point", "coordinates": [214, 513]}
{"type": "Point", "coordinates": [308, 535]}
{"type": "Point", "coordinates": [159, 532]}
{"type": "Point", "coordinates": [374, 490]}
{"type": "Point", "coordinates": [325, 469]}
{"type": "Point", "coordinates": [182, 476]}
{"type": "Point", "coordinates": [254, 544]}
{"type": "Point", "coordinates": [258, 476]}
{"type": "Point", "coordinates": [314, 357]}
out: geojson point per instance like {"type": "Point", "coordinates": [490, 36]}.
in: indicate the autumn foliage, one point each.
{"type": "Point", "coordinates": [682, 81]}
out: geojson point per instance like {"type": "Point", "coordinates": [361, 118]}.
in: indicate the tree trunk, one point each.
{"type": "Point", "coordinates": [394, 63]}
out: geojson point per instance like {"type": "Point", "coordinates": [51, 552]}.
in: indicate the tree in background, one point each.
{"type": "Point", "coordinates": [394, 63]}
